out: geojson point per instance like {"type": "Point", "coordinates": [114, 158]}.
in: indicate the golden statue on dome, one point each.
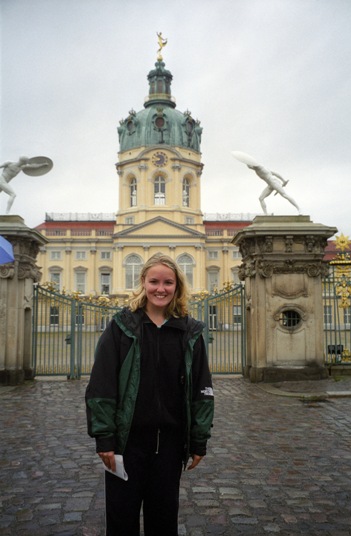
{"type": "Point", "coordinates": [162, 42]}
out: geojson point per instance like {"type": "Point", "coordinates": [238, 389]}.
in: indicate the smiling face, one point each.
{"type": "Point", "coordinates": [160, 283]}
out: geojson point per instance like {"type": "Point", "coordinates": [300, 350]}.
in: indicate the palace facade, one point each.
{"type": "Point", "coordinates": [159, 170]}
{"type": "Point", "coordinates": [93, 255]}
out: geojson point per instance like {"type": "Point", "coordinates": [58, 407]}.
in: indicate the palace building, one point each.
{"type": "Point", "coordinates": [159, 171]}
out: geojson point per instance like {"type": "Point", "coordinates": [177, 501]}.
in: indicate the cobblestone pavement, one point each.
{"type": "Point", "coordinates": [276, 464]}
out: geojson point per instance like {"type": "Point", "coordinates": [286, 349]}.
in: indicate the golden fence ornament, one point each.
{"type": "Point", "coordinates": [343, 289]}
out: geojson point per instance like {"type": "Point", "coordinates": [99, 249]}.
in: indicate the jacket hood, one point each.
{"type": "Point", "coordinates": [132, 321]}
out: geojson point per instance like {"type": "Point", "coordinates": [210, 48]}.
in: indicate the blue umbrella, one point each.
{"type": "Point", "coordinates": [6, 251]}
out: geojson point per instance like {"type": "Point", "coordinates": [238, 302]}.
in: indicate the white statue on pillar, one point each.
{"type": "Point", "coordinates": [30, 166]}
{"type": "Point", "coordinates": [270, 177]}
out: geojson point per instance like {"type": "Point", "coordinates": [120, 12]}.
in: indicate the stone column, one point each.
{"type": "Point", "coordinates": [16, 300]}
{"type": "Point", "coordinates": [283, 269]}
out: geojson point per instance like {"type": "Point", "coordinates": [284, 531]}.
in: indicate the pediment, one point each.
{"type": "Point", "coordinates": [159, 227]}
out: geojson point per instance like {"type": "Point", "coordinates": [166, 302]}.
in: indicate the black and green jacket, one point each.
{"type": "Point", "coordinates": [145, 377]}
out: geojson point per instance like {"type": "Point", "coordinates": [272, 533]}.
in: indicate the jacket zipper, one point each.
{"type": "Point", "coordinates": [158, 441]}
{"type": "Point", "coordinates": [158, 389]}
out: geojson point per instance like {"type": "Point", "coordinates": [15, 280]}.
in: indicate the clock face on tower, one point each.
{"type": "Point", "coordinates": [159, 159]}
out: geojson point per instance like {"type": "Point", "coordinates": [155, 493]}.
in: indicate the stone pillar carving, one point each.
{"type": "Point", "coordinates": [283, 268]}
{"type": "Point", "coordinates": [16, 300]}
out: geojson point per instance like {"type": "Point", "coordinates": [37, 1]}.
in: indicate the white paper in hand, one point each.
{"type": "Point", "coordinates": [120, 470]}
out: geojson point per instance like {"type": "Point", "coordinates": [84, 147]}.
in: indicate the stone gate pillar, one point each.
{"type": "Point", "coordinates": [16, 300]}
{"type": "Point", "coordinates": [282, 269]}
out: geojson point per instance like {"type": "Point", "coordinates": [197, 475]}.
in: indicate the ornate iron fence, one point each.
{"type": "Point", "coordinates": [337, 315]}
{"type": "Point", "coordinates": [66, 330]}
{"type": "Point", "coordinates": [224, 316]}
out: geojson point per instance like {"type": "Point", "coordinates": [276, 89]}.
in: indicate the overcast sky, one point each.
{"type": "Point", "coordinates": [271, 78]}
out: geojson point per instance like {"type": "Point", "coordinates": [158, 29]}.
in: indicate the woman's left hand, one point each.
{"type": "Point", "coordinates": [109, 459]}
{"type": "Point", "coordinates": [196, 460]}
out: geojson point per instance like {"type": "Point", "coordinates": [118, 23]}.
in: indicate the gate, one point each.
{"type": "Point", "coordinates": [224, 316]}
{"type": "Point", "coordinates": [66, 331]}
{"type": "Point", "coordinates": [337, 315]}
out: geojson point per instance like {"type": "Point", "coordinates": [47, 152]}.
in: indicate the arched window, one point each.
{"type": "Point", "coordinates": [160, 190]}
{"type": "Point", "coordinates": [133, 192]}
{"type": "Point", "coordinates": [186, 263]}
{"type": "Point", "coordinates": [133, 265]}
{"type": "Point", "coordinates": [186, 192]}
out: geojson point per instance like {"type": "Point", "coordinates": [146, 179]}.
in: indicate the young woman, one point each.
{"type": "Point", "coordinates": [150, 399]}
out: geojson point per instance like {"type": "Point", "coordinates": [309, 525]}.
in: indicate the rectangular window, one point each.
{"type": "Point", "coordinates": [105, 319]}
{"type": "Point", "coordinates": [54, 316]}
{"type": "Point", "coordinates": [236, 254]}
{"type": "Point", "coordinates": [189, 220]}
{"type": "Point", "coordinates": [160, 199]}
{"type": "Point", "coordinates": [105, 255]}
{"type": "Point", "coordinates": [237, 314]}
{"type": "Point", "coordinates": [328, 317]}
{"type": "Point", "coordinates": [55, 255]}
{"type": "Point", "coordinates": [235, 275]}
{"type": "Point", "coordinates": [213, 255]}
{"type": "Point", "coordinates": [212, 317]}
{"type": "Point", "coordinates": [347, 316]}
{"type": "Point", "coordinates": [80, 316]}
{"type": "Point", "coordinates": [105, 283]}
{"type": "Point", "coordinates": [129, 220]}
{"type": "Point", "coordinates": [80, 282]}
{"type": "Point", "coordinates": [81, 255]}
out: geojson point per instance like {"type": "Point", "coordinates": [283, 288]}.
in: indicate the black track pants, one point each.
{"type": "Point", "coordinates": [153, 483]}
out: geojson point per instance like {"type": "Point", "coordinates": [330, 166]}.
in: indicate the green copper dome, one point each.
{"type": "Point", "coordinates": [159, 123]}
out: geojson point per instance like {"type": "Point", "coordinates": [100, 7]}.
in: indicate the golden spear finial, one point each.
{"type": "Point", "coordinates": [161, 43]}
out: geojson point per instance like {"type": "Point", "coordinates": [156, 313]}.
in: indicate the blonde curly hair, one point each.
{"type": "Point", "coordinates": [178, 307]}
